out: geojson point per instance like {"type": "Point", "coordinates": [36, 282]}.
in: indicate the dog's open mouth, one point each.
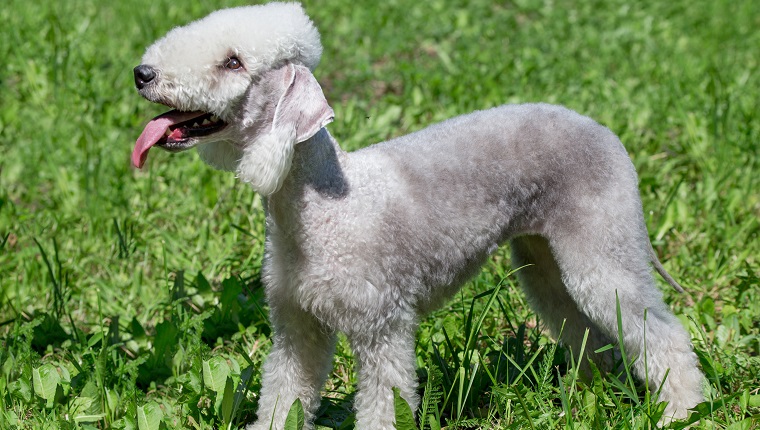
{"type": "Point", "coordinates": [174, 131]}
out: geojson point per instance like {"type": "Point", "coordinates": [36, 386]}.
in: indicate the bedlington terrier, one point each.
{"type": "Point", "coordinates": [365, 243]}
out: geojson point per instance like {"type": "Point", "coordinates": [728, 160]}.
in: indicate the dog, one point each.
{"type": "Point", "coordinates": [365, 243]}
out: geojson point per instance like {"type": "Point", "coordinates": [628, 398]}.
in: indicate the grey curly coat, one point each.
{"type": "Point", "coordinates": [365, 243]}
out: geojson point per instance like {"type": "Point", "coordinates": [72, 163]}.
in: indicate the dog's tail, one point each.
{"type": "Point", "coordinates": [661, 270]}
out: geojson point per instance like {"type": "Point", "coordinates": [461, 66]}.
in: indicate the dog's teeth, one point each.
{"type": "Point", "coordinates": [214, 118]}
{"type": "Point", "coordinates": [206, 122]}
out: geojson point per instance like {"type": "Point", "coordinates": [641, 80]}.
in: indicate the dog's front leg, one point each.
{"type": "Point", "coordinates": [386, 360]}
{"type": "Point", "coordinates": [297, 366]}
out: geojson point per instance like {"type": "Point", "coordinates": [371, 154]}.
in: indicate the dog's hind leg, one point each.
{"type": "Point", "coordinates": [296, 367]}
{"type": "Point", "coordinates": [541, 280]}
{"type": "Point", "coordinates": [603, 264]}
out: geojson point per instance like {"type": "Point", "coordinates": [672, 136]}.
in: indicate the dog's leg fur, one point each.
{"type": "Point", "coordinates": [554, 292]}
{"type": "Point", "coordinates": [296, 367]}
{"type": "Point", "coordinates": [541, 281]}
{"type": "Point", "coordinates": [385, 360]}
{"type": "Point", "coordinates": [596, 276]}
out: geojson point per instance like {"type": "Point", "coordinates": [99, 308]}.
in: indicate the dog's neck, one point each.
{"type": "Point", "coordinates": [317, 166]}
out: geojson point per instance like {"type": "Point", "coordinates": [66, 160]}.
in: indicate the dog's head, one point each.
{"type": "Point", "coordinates": [240, 87]}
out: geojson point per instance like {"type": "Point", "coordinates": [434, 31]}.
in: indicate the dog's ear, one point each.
{"type": "Point", "coordinates": [301, 111]}
{"type": "Point", "coordinates": [302, 105]}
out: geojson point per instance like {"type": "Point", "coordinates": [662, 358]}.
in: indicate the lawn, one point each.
{"type": "Point", "coordinates": [132, 299]}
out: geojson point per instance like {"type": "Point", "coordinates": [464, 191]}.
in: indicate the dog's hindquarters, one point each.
{"type": "Point", "coordinates": [541, 281]}
{"type": "Point", "coordinates": [582, 272]}
{"type": "Point", "coordinates": [598, 280]}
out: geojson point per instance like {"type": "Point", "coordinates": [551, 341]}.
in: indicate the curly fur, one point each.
{"type": "Point", "coordinates": [365, 243]}
{"type": "Point", "coordinates": [261, 36]}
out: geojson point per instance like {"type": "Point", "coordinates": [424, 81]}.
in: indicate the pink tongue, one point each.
{"type": "Point", "coordinates": [155, 130]}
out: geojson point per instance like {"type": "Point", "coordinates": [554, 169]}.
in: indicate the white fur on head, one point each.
{"type": "Point", "coordinates": [301, 111]}
{"type": "Point", "coordinates": [189, 59]}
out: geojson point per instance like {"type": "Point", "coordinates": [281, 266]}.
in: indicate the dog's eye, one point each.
{"type": "Point", "coordinates": [233, 64]}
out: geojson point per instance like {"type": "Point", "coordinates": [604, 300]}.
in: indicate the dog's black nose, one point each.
{"type": "Point", "coordinates": [144, 75]}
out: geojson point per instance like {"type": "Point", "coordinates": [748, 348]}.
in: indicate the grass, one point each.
{"type": "Point", "coordinates": [132, 299]}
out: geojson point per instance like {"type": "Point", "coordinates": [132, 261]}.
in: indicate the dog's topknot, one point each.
{"type": "Point", "coordinates": [262, 36]}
